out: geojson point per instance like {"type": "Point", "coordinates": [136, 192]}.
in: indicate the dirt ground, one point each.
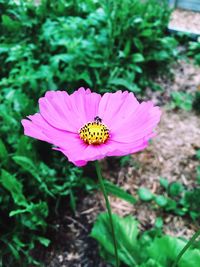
{"type": "Point", "coordinates": [185, 21]}
{"type": "Point", "coordinates": [170, 155]}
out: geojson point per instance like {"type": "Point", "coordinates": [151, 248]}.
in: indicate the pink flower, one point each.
{"type": "Point", "coordinates": [86, 126]}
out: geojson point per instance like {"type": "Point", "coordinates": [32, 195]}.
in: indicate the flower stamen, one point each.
{"type": "Point", "coordinates": [94, 133]}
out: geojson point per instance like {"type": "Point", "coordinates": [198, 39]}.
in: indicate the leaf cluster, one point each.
{"type": "Point", "coordinates": [101, 44]}
{"type": "Point", "coordinates": [186, 101]}
{"type": "Point", "coordinates": [136, 249]}
{"type": "Point", "coordinates": [194, 50]}
{"type": "Point", "coordinates": [175, 198]}
{"type": "Point", "coordinates": [182, 100]}
{"type": "Point", "coordinates": [196, 101]}
{"type": "Point", "coordinates": [32, 177]}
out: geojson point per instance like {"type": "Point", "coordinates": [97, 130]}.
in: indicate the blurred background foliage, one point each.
{"type": "Point", "coordinates": [47, 45]}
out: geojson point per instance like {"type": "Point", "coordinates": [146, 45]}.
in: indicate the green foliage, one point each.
{"type": "Point", "coordinates": [194, 50]}
{"type": "Point", "coordinates": [175, 189]}
{"type": "Point", "coordinates": [27, 206]}
{"type": "Point", "coordinates": [198, 167]}
{"type": "Point", "coordinates": [108, 45]}
{"type": "Point", "coordinates": [118, 192]}
{"type": "Point", "coordinates": [125, 160]}
{"type": "Point", "coordinates": [125, 228]}
{"type": "Point", "coordinates": [198, 174]}
{"type": "Point", "coordinates": [148, 249]}
{"type": "Point", "coordinates": [175, 198]}
{"type": "Point", "coordinates": [198, 154]}
{"type": "Point", "coordinates": [10, 183]}
{"type": "Point", "coordinates": [196, 102]}
{"type": "Point", "coordinates": [182, 100]}
{"type": "Point", "coordinates": [145, 194]}
{"type": "Point", "coordinates": [29, 179]}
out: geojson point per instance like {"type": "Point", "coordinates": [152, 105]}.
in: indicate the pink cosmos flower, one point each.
{"type": "Point", "coordinates": [86, 126]}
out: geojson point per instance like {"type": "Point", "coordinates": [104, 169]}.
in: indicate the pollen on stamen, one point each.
{"type": "Point", "coordinates": [95, 132]}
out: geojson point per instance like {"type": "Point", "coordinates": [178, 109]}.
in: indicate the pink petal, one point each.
{"type": "Point", "coordinates": [92, 153]}
{"type": "Point", "coordinates": [86, 104]}
{"type": "Point", "coordinates": [37, 127]}
{"type": "Point", "coordinates": [69, 112]}
{"type": "Point", "coordinates": [34, 128]}
{"type": "Point", "coordinates": [114, 108]}
{"type": "Point", "coordinates": [138, 126]}
{"type": "Point", "coordinates": [34, 132]}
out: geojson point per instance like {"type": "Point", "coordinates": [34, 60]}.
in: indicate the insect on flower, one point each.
{"type": "Point", "coordinates": [86, 126]}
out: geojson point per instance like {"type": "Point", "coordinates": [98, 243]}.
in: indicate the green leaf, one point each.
{"type": "Point", "coordinates": [198, 154]}
{"type": "Point", "coordinates": [122, 82]}
{"type": "Point", "coordinates": [164, 182]}
{"type": "Point", "coordinates": [182, 100]}
{"type": "Point", "coordinates": [161, 200]}
{"type": "Point", "coordinates": [157, 250]}
{"type": "Point", "coordinates": [26, 163]}
{"type": "Point", "coordinates": [4, 48]}
{"type": "Point", "coordinates": [137, 58]}
{"type": "Point", "coordinates": [14, 251]}
{"type": "Point", "coordinates": [72, 201]}
{"type": "Point", "coordinates": [159, 222]}
{"type": "Point", "coordinates": [33, 215]}
{"type": "Point", "coordinates": [198, 174]}
{"type": "Point", "coordinates": [151, 263]}
{"type": "Point", "coordinates": [43, 240]}
{"type": "Point", "coordinates": [175, 189]}
{"type": "Point", "coordinates": [118, 192]}
{"type": "Point", "coordinates": [124, 160]}
{"type": "Point", "coordinates": [9, 23]}
{"type": "Point", "coordinates": [171, 205]}
{"type": "Point", "coordinates": [127, 48]}
{"type": "Point", "coordinates": [16, 212]}
{"type": "Point", "coordinates": [14, 186]}
{"type": "Point", "coordinates": [192, 200]}
{"type": "Point", "coordinates": [3, 151]}
{"type": "Point", "coordinates": [86, 77]}
{"type": "Point", "coordinates": [126, 229]}
{"type": "Point", "coordinates": [164, 250]}
{"type": "Point", "coordinates": [138, 43]}
{"type": "Point", "coordinates": [145, 194]}
{"type": "Point", "coordinates": [18, 242]}
{"type": "Point", "coordinates": [190, 259]}
{"type": "Point", "coordinates": [146, 33]}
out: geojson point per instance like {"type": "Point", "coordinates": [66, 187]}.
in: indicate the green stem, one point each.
{"type": "Point", "coordinates": [98, 169]}
{"type": "Point", "coordinates": [189, 243]}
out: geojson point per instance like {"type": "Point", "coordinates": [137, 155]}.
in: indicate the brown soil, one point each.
{"type": "Point", "coordinates": [170, 155]}
{"type": "Point", "coordinates": [184, 76]}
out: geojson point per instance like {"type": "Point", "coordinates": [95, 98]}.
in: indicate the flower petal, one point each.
{"type": "Point", "coordinates": [111, 148]}
{"type": "Point", "coordinates": [37, 127]}
{"type": "Point", "coordinates": [86, 104]}
{"type": "Point", "coordinates": [69, 112]}
{"type": "Point", "coordinates": [56, 109]}
{"type": "Point", "coordinates": [139, 125]}
{"type": "Point", "coordinates": [114, 108]}
{"type": "Point", "coordinates": [33, 127]}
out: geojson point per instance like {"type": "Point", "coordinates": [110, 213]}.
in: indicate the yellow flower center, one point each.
{"type": "Point", "coordinates": [94, 133]}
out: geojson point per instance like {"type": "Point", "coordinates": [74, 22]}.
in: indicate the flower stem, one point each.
{"type": "Point", "coordinates": [98, 169]}
{"type": "Point", "coordinates": [189, 243]}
